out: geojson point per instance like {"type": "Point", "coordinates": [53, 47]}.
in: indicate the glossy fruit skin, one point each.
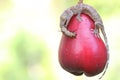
{"type": "Point", "coordinates": [86, 53]}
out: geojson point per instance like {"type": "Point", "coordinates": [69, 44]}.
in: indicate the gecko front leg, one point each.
{"type": "Point", "coordinates": [64, 20]}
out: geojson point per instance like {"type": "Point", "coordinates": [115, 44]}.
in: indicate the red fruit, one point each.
{"type": "Point", "coordinates": [86, 53]}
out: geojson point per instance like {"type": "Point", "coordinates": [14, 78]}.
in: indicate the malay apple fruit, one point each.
{"type": "Point", "coordinates": [84, 54]}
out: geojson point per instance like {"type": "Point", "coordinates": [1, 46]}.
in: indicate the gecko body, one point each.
{"type": "Point", "coordinates": [77, 10]}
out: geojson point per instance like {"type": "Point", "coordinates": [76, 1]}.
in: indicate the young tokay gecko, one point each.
{"type": "Point", "coordinates": [90, 11]}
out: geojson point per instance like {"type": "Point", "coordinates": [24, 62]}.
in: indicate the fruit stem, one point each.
{"type": "Point", "coordinates": [80, 1]}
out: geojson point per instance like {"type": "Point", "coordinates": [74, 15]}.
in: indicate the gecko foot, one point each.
{"type": "Point", "coordinates": [96, 32]}
{"type": "Point", "coordinates": [79, 18]}
{"type": "Point", "coordinates": [67, 32]}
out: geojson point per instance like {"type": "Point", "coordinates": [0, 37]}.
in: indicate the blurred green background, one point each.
{"type": "Point", "coordinates": [30, 37]}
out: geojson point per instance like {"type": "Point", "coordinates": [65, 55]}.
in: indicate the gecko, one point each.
{"type": "Point", "coordinates": [92, 13]}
